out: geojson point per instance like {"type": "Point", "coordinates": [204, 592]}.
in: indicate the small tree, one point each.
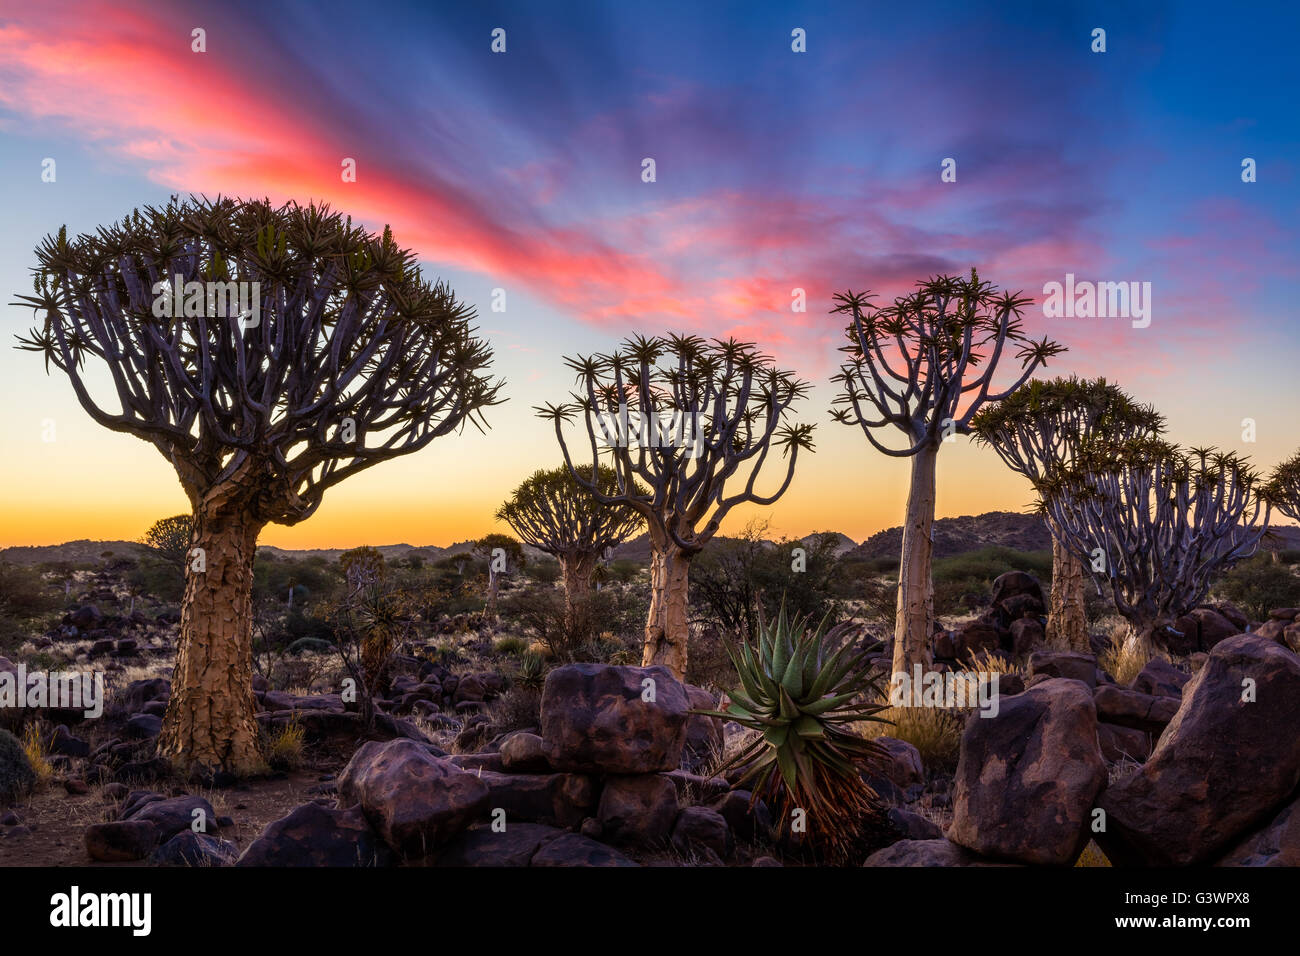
{"type": "Point", "coordinates": [706, 418]}
{"type": "Point", "coordinates": [502, 553]}
{"type": "Point", "coordinates": [1283, 488]}
{"type": "Point", "coordinates": [268, 353]}
{"type": "Point", "coordinates": [1157, 522]}
{"type": "Point", "coordinates": [169, 539]}
{"type": "Point", "coordinates": [915, 366]}
{"type": "Point", "coordinates": [1040, 427]}
{"type": "Point", "coordinates": [553, 513]}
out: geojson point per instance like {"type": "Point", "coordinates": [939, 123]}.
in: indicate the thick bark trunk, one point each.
{"type": "Point", "coordinates": [1067, 622]}
{"type": "Point", "coordinates": [914, 621]}
{"type": "Point", "coordinates": [578, 570]}
{"type": "Point", "coordinates": [666, 629]}
{"type": "Point", "coordinates": [209, 723]}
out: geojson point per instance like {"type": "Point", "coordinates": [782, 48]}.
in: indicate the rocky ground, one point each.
{"type": "Point", "coordinates": [1194, 760]}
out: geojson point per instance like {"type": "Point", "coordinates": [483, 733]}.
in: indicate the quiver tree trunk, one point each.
{"type": "Point", "coordinates": [667, 631]}
{"type": "Point", "coordinates": [577, 570]}
{"type": "Point", "coordinates": [1067, 623]}
{"type": "Point", "coordinates": [209, 723]}
{"type": "Point", "coordinates": [914, 621]}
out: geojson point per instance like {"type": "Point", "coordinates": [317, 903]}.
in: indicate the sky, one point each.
{"type": "Point", "coordinates": [775, 170]}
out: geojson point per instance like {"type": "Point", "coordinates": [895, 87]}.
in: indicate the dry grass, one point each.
{"type": "Point", "coordinates": [1092, 856]}
{"type": "Point", "coordinates": [934, 731]}
{"type": "Point", "coordinates": [34, 747]}
{"type": "Point", "coordinates": [285, 747]}
{"type": "Point", "coordinates": [1124, 659]}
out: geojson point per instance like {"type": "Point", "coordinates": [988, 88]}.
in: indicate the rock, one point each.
{"type": "Point", "coordinates": [317, 836]}
{"type": "Point", "coordinates": [1284, 613]}
{"type": "Point", "coordinates": [594, 719]}
{"type": "Point", "coordinates": [1014, 583]}
{"type": "Point", "coordinates": [638, 809]}
{"type": "Point", "coordinates": [1277, 843]}
{"type": "Point", "coordinates": [143, 727]}
{"type": "Point", "coordinates": [1026, 779]}
{"type": "Point", "coordinates": [903, 765]}
{"type": "Point", "coordinates": [482, 846]}
{"type": "Point", "coordinates": [1129, 708]}
{"type": "Point", "coordinates": [935, 852]}
{"type": "Point", "coordinates": [693, 788]}
{"type": "Point", "coordinates": [1212, 627]}
{"type": "Point", "coordinates": [975, 637]}
{"type": "Point", "coordinates": [415, 801]}
{"type": "Point", "coordinates": [561, 799]}
{"type": "Point", "coordinates": [194, 849]}
{"type": "Point", "coordinates": [121, 841]}
{"type": "Point", "coordinates": [1181, 638]}
{"type": "Point", "coordinates": [1026, 634]}
{"type": "Point", "coordinates": [1119, 743]}
{"type": "Point", "coordinates": [17, 778]}
{"type": "Point", "coordinates": [172, 815]}
{"type": "Point", "coordinates": [1233, 615]}
{"type": "Point", "coordinates": [522, 752]}
{"type": "Point", "coordinates": [574, 849]}
{"type": "Point", "coordinates": [767, 861]}
{"type": "Point", "coordinates": [62, 742]}
{"type": "Point", "coordinates": [493, 762]}
{"type": "Point", "coordinates": [746, 820]}
{"type": "Point", "coordinates": [1071, 665]}
{"type": "Point", "coordinates": [469, 689]}
{"type": "Point", "coordinates": [76, 787]}
{"type": "Point", "coordinates": [913, 826]}
{"type": "Point", "coordinates": [703, 734]}
{"type": "Point", "coordinates": [700, 831]}
{"type": "Point", "coordinates": [84, 617]}
{"type": "Point", "coordinates": [1160, 679]}
{"type": "Point", "coordinates": [1222, 767]}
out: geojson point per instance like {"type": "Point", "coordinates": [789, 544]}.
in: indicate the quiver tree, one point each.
{"type": "Point", "coordinates": [268, 353]}
{"type": "Point", "coordinates": [169, 539]}
{"type": "Point", "coordinates": [925, 365]}
{"type": "Point", "coordinates": [687, 418]}
{"type": "Point", "coordinates": [503, 554]}
{"type": "Point", "coordinates": [551, 512]}
{"type": "Point", "coordinates": [1283, 488]}
{"type": "Point", "coordinates": [1040, 427]}
{"type": "Point", "coordinates": [1156, 522]}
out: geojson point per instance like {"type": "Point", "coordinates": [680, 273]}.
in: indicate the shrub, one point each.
{"type": "Point", "coordinates": [934, 731]}
{"type": "Point", "coordinates": [509, 645]}
{"type": "Point", "coordinates": [17, 776]}
{"type": "Point", "coordinates": [284, 752]}
{"type": "Point", "coordinates": [519, 708]}
{"type": "Point", "coordinates": [1258, 585]}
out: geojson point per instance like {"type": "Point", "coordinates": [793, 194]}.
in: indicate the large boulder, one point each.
{"type": "Point", "coordinates": [194, 849]}
{"type": "Point", "coordinates": [1071, 665]}
{"type": "Point", "coordinates": [638, 809]}
{"type": "Point", "coordinates": [414, 800]}
{"type": "Point", "coordinates": [1026, 779]}
{"type": "Point", "coordinates": [313, 835]}
{"type": "Point", "coordinates": [902, 766]}
{"type": "Point", "coordinates": [702, 833]}
{"type": "Point", "coordinates": [1212, 627]}
{"type": "Point", "coordinates": [171, 815]}
{"type": "Point", "coordinates": [597, 718]}
{"type": "Point", "coordinates": [120, 841]}
{"type": "Point", "coordinates": [516, 845]}
{"type": "Point", "coordinates": [703, 734]}
{"type": "Point", "coordinates": [561, 799]}
{"type": "Point", "coordinates": [1014, 584]}
{"type": "Point", "coordinates": [1226, 762]}
{"type": "Point", "coordinates": [574, 849]}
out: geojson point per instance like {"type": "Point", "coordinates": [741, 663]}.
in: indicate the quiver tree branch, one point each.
{"type": "Point", "coordinates": [1156, 522]}
{"type": "Point", "coordinates": [1042, 426]}
{"type": "Point", "coordinates": [680, 421]}
{"type": "Point", "coordinates": [924, 366]}
{"type": "Point", "coordinates": [268, 353]}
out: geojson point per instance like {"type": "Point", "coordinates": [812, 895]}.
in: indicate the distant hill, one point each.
{"type": "Point", "coordinates": [82, 551]}
{"type": "Point", "coordinates": [1007, 529]}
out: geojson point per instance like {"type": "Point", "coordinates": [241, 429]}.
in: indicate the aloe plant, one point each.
{"type": "Point", "coordinates": [803, 699]}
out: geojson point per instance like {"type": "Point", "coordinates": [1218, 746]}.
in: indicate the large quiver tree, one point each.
{"type": "Point", "coordinates": [1156, 522]}
{"type": "Point", "coordinates": [924, 366]}
{"type": "Point", "coordinates": [1042, 426]}
{"type": "Point", "coordinates": [553, 513]}
{"type": "Point", "coordinates": [337, 357]}
{"type": "Point", "coordinates": [687, 418]}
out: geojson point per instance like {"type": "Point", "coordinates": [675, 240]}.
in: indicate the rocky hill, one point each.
{"type": "Point", "coordinates": [1006, 529]}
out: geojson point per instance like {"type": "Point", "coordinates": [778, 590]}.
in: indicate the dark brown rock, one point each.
{"type": "Point", "coordinates": [1129, 708]}
{"type": "Point", "coordinates": [1026, 779]}
{"type": "Point", "coordinates": [561, 799]}
{"type": "Point", "coordinates": [1072, 665]}
{"type": "Point", "coordinates": [1223, 766]}
{"type": "Point", "coordinates": [936, 852]}
{"type": "Point", "coordinates": [638, 809]}
{"type": "Point", "coordinates": [120, 841]}
{"type": "Point", "coordinates": [318, 836]}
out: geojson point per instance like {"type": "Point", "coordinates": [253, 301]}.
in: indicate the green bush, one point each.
{"type": "Point", "coordinates": [17, 778]}
{"type": "Point", "coordinates": [1258, 585]}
